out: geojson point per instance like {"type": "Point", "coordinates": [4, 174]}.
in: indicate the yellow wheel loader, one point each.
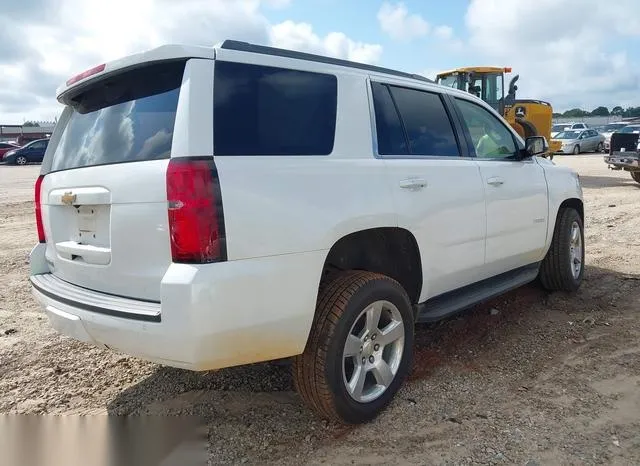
{"type": "Point", "coordinates": [527, 117]}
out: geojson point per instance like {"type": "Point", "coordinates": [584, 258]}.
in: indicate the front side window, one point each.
{"type": "Point", "coordinates": [260, 110]}
{"type": "Point", "coordinates": [38, 145]}
{"type": "Point", "coordinates": [490, 136]}
{"type": "Point", "coordinates": [426, 122]}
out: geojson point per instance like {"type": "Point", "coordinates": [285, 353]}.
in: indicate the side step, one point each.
{"type": "Point", "coordinates": [453, 302]}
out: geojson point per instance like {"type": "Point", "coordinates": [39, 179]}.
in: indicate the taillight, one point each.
{"type": "Point", "coordinates": [38, 201]}
{"type": "Point", "coordinates": [196, 225]}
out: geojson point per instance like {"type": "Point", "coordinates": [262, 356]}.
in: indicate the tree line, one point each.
{"type": "Point", "coordinates": [629, 112]}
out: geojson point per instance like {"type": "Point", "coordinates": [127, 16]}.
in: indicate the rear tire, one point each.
{"type": "Point", "coordinates": [362, 332]}
{"type": "Point", "coordinates": [576, 150]}
{"type": "Point", "coordinates": [636, 176]}
{"type": "Point", "coordinates": [563, 267]}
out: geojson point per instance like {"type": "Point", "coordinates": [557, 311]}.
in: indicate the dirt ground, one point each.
{"type": "Point", "coordinates": [530, 378]}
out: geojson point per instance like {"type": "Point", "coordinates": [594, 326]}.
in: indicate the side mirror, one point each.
{"type": "Point", "coordinates": [536, 145]}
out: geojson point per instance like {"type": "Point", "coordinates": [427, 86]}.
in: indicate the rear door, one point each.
{"type": "Point", "coordinates": [438, 193]}
{"type": "Point", "coordinates": [104, 193]}
{"type": "Point", "coordinates": [38, 150]}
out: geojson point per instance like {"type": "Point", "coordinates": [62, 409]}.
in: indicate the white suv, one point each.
{"type": "Point", "coordinates": [210, 207]}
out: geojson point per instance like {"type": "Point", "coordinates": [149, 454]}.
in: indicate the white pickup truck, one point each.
{"type": "Point", "coordinates": [210, 207]}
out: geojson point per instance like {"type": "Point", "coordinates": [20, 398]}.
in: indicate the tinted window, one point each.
{"type": "Point", "coordinates": [391, 137]}
{"type": "Point", "coordinates": [4, 145]}
{"type": "Point", "coordinates": [262, 110]}
{"type": "Point", "coordinates": [490, 136]}
{"type": "Point", "coordinates": [426, 122]}
{"type": "Point", "coordinates": [38, 145]}
{"type": "Point", "coordinates": [125, 118]}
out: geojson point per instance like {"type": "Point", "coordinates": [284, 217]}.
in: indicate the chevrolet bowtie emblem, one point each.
{"type": "Point", "coordinates": [68, 198]}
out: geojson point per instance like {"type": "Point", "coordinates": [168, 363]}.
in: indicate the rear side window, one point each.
{"type": "Point", "coordinates": [261, 110]}
{"type": "Point", "coordinates": [391, 137]}
{"type": "Point", "coordinates": [426, 122]}
{"type": "Point", "coordinates": [128, 117]}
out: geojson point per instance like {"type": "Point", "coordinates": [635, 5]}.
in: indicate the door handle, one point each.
{"type": "Point", "coordinates": [413, 183]}
{"type": "Point", "coordinates": [495, 181]}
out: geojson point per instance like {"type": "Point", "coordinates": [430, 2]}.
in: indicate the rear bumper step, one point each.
{"type": "Point", "coordinates": [93, 301]}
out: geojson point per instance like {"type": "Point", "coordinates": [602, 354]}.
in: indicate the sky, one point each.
{"type": "Point", "coordinates": [571, 53]}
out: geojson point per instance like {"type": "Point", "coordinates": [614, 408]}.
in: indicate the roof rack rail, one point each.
{"type": "Point", "coordinates": [263, 49]}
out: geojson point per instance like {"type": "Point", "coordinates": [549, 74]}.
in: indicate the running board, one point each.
{"type": "Point", "coordinates": [453, 302]}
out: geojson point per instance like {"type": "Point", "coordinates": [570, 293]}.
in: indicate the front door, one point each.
{"type": "Point", "coordinates": [515, 192]}
{"type": "Point", "coordinates": [438, 195]}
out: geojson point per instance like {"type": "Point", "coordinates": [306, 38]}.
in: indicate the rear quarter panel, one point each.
{"type": "Point", "coordinates": [277, 205]}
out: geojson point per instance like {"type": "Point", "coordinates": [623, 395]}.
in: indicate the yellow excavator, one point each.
{"type": "Point", "coordinates": [528, 117]}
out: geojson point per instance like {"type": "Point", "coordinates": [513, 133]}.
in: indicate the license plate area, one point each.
{"type": "Point", "coordinates": [92, 225]}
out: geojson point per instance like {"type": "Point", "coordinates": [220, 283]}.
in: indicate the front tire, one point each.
{"type": "Point", "coordinates": [21, 160]}
{"type": "Point", "coordinates": [576, 150]}
{"type": "Point", "coordinates": [600, 147]}
{"type": "Point", "coordinates": [636, 176]}
{"type": "Point", "coordinates": [563, 267]}
{"type": "Point", "coordinates": [359, 349]}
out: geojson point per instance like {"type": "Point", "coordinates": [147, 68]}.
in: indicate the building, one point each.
{"type": "Point", "coordinates": [24, 134]}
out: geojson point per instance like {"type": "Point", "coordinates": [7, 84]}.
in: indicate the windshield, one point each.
{"type": "Point", "coordinates": [568, 135]}
{"type": "Point", "coordinates": [449, 81]}
{"type": "Point", "coordinates": [630, 129]}
{"type": "Point", "coordinates": [558, 128]}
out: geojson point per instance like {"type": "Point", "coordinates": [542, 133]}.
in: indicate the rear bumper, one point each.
{"type": "Point", "coordinates": [628, 161]}
{"type": "Point", "coordinates": [210, 317]}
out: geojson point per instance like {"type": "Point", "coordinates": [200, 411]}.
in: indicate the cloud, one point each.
{"type": "Point", "coordinates": [562, 50]}
{"type": "Point", "coordinates": [39, 51]}
{"type": "Point", "coordinates": [279, 4]}
{"type": "Point", "coordinates": [300, 37]}
{"type": "Point", "coordinates": [396, 21]}
{"type": "Point", "coordinates": [443, 32]}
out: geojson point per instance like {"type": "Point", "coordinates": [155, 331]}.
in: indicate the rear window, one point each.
{"type": "Point", "coordinates": [261, 110]}
{"type": "Point", "coordinates": [124, 118]}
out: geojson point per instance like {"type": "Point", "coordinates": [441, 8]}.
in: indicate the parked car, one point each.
{"type": "Point", "coordinates": [32, 152]}
{"type": "Point", "coordinates": [557, 129]}
{"type": "Point", "coordinates": [608, 130]}
{"type": "Point", "coordinates": [624, 152]}
{"type": "Point", "coordinates": [6, 147]}
{"type": "Point", "coordinates": [263, 203]}
{"type": "Point", "coordinates": [635, 128]}
{"type": "Point", "coordinates": [575, 142]}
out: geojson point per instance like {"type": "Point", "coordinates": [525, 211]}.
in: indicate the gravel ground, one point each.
{"type": "Point", "coordinates": [530, 378]}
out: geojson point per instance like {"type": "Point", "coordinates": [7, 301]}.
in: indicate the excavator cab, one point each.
{"type": "Point", "coordinates": [527, 117]}
{"type": "Point", "coordinates": [486, 83]}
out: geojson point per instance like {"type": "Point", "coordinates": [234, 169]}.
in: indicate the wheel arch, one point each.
{"type": "Point", "coordinates": [570, 202]}
{"type": "Point", "coordinates": [573, 203]}
{"type": "Point", "coordinates": [390, 251]}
